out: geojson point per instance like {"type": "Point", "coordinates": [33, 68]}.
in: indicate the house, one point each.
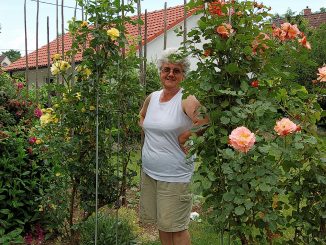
{"type": "Point", "coordinates": [4, 61]}
{"type": "Point", "coordinates": [314, 19]}
{"type": "Point", "coordinates": [175, 18]}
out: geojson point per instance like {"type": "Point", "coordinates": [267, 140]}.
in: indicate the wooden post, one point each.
{"type": "Point", "coordinates": [145, 49]}
{"type": "Point", "coordinates": [26, 52]}
{"type": "Point", "coordinates": [62, 31]}
{"type": "Point", "coordinates": [185, 22]}
{"type": "Point", "coordinates": [57, 24]}
{"type": "Point", "coordinates": [36, 68]}
{"type": "Point", "coordinates": [123, 23]}
{"type": "Point", "coordinates": [140, 46]}
{"type": "Point", "coordinates": [73, 63]}
{"type": "Point", "coordinates": [48, 51]}
{"type": "Point", "coordinates": [165, 20]}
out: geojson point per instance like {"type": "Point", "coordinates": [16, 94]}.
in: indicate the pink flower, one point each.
{"type": "Point", "coordinates": [32, 140]}
{"type": "Point", "coordinates": [322, 74]}
{"type": "Point", "coordinates": [242, 139]}
{"type": "Point", "coordinates": [285, 126]}
{"type": "Point", "coordinates": [38, 112]}
{"type": "Point", "coordinates": [28, 238]}
{"type": "Point", "coordinates": [19, 85]}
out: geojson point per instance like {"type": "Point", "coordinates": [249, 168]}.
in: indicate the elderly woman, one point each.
{"type": "Point", "coordinates": [167, 119]}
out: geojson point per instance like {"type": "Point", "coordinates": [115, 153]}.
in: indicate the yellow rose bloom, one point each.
{"type": "Point", "coordinates": [45, 118]}
{"type": "Point", "coordinates": [92, 108]}
{"type": "Point", "coordinates": [38, 141]}
{"type": "Point", "coordinates": [56, 57]}
{"type": "Point", "coordinates": [83, 109]}
{"type": "Point", "coordinates": [113, 33]}
{"type": "Point", "coordinates": [55, 68]}
{"type": "Point", "coordinates": [84, 24]}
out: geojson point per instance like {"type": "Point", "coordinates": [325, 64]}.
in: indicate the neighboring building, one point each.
{"type": "Point", "coordinates": [4, 61]}
{"type": "Point", "coordinates": [314, 19]}
{"type": "Point", "coordinates": [155, 41]}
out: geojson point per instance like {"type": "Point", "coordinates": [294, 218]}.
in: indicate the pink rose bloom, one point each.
{"type": "Point", "coordinates": [19, 85]}
{"type": "Point", "coordinates": [32, 140]}
{"type": "Point", "coordinates": [242, 139]}
{"type": "Point", "coordinates": [38, 112]}
{"type": "Point", "coordinates": [322, 74]}
{"type": "Point", "coordinates": [285, 126]}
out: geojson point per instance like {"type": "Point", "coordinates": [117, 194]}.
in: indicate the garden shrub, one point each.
{"type": "Point", "coordinates": [111, 230]}
{"type": "Point", "coordinates": [24, 177]}
{"type": "Point", "coordinates": [272, 190]}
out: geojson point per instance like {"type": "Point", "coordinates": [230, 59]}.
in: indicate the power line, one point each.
{"type": "Point", "coordinates": [55, 4]}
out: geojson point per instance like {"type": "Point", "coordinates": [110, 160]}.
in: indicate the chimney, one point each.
{"type": "Point", "coordinates": [307, 11]}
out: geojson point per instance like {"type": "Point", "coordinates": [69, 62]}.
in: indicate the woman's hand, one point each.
{"type": "Point", "coordinates": [182, 140]}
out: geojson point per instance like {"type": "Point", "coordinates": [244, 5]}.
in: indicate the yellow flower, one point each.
{"type": "Point", "coordinates": [55, 68]}
{"type": "Point", "coordinates": [56, 105]}
{"type": "Point", "coordinates": [92, 108]}
{"type": "Point", "coordinates": [64, 66]}
{"type": "Point", "coordinates": [59, 66]}
{"type": "Point", "coordinates": [48, 110]}
{"type": "Point", "coordinates": [83, 109]}
{"type": "Point", "coordinates": [38, 141]}
{"type": "Point", "coordinates": [113, 33]}
{"type": "Point", "coordinates": [87, 72]}
{"type": "Point", "coordinates": [84, 24]}
{"type": "Point", "coordinates": [78, 95]}
{"type": "Point", "coordinates": [45, 119]}
{"type": "Point", "coordinates": [53, 206]}
{"type": "Point", "coordinates": [56, 57]}
{"type": "Point", "coordinates": [40, 208]}
{"type": "Point", "coordinates": [57, 174]}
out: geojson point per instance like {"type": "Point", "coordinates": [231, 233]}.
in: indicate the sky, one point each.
{"type": "Point", "coordinates": [12, 18]}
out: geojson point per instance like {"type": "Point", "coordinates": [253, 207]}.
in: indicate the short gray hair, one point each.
{"type": "Point", "coordinates": [173, 56]}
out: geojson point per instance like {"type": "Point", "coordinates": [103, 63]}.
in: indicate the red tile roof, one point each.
{"type": "Point", "coordinates": [314, 19]}
{"type": "Point", "coordinates": [155, 28]}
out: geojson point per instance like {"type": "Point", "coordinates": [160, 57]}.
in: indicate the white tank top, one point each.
{"type": "Point", "coordinates": [162, 157]}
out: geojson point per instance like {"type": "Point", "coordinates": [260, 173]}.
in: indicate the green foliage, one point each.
{"type": "Point", "coordinates": [103, 90]}
{"type": "Point", "coordinates": [24, 177]}
{"type": "Point", "coordinates": [244, 190]}
{"type": "Point", "coordinates": [12, 54]}
{"type": "Point", "coordinates": [110, 230]}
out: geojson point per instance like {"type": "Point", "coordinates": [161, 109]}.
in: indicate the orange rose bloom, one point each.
{"type": "Point", "coordinates": [322, 74]}
{"type": "Point", "coordinates": [304, 42]}
{"type": "Point", "coordinates": [285, 126]}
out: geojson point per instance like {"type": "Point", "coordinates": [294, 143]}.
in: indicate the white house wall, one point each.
{"type": "Point", "coordinates": [156, 46]}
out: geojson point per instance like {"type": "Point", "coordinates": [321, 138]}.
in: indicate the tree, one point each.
{"type": "Point", "coordinates": [12, 54]}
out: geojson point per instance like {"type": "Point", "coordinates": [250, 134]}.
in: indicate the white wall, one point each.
{"type": "Point", "coordinates": [5, 62]}
{"type": "Point", "coordinates": [155, 47]}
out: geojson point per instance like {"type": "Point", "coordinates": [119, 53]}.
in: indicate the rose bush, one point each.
{"type": "Point", "coordinates": [273, 193]}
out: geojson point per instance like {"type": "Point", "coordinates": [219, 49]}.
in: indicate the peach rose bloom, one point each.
{"type": "Point", "coordinates": [304, 42]}
{"type": "Point", "coordinates": [285, 126]}
{"type": "Point", "coordinates": [242, 139]}
{"type": "Point", "coordinates": [293, 31]}
{"type": "Point", "coordinates": [322, 74]}
{"type": "Point", "coordinates": [222, 31]}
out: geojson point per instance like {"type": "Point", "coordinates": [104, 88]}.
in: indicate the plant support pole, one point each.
{"type": "Point", "coordinates": [26, 55]}
{"type": "Point", "coordinates": [165, 26]}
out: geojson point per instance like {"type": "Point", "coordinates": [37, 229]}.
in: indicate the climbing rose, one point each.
{"type": "Point", "coordinates": [84, 24]}
{"type": "Point", "coordinates": [224, 30]}
{"type": "Point", "coordinates": [60, 66]}
{"type": "Point", "coordinates": [285, 126]}
{"type": "Point", "coordinates": [32, 140]}
{"type": "Point", "coordinates": [242, 139]}
{"type": "Point", "coordinates": [19, 85]}
{"type": "Point", "coordinates": [38, 112]}
{"type": "Point", "coordinates": [113, 33]}
{"type": "Point", "coordinates": [304, 42]}
{"type": "Point", "coordinates": [322, 74]}
{"type": "Point", "coordinates": [215, 8]}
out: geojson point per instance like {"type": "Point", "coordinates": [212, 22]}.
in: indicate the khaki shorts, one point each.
{"type": "Point", "coordinates": [166, 204]}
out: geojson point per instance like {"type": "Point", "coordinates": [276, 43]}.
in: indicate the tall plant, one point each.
{"type": "Point", "coordinates": [271, 185]}
{"type": "Point", "coordinates": [102, 90]}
